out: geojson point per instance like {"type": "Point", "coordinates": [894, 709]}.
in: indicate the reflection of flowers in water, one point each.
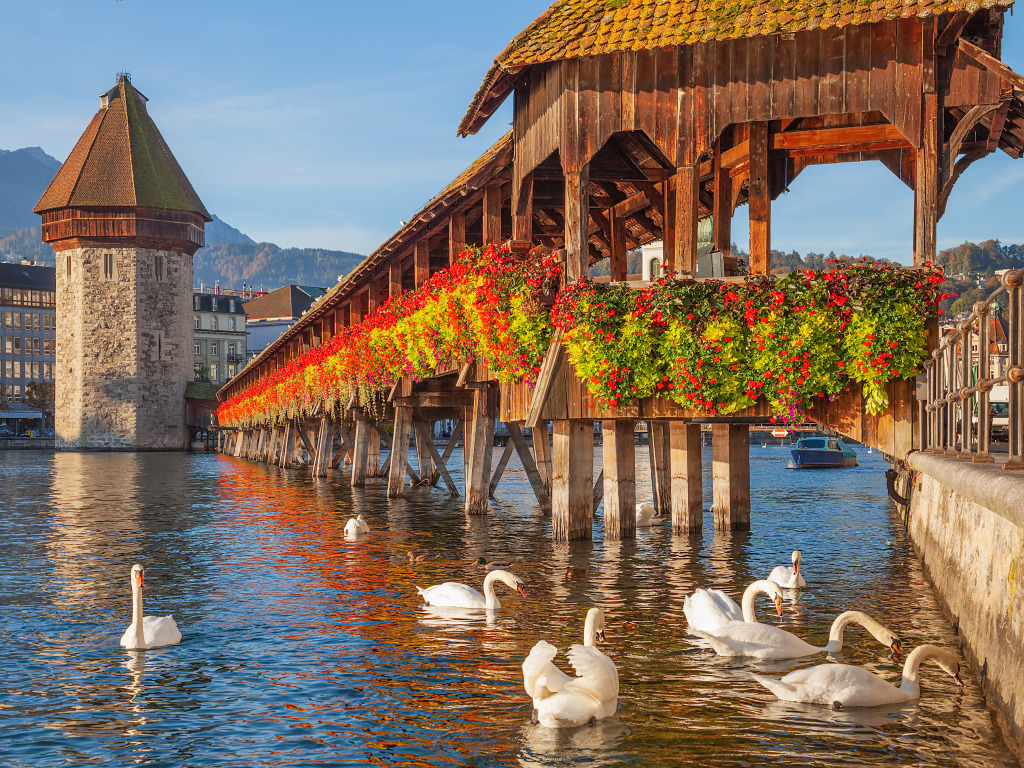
{"type": "Point", "coordinates": [590, 745]}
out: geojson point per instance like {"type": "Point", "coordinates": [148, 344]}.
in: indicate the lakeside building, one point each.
{"type": "Point", "coordinates": [28, 317]}
{"type": "Point", "coordinates": [218, 337]}
{"type": "Point", "coordinates": [269, 316]}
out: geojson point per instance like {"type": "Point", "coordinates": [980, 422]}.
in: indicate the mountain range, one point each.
{"type": "Point", "coordinates": [230, 257]}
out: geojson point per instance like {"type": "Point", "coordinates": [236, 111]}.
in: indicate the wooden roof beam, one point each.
{"type": "Point", "coordinates": [992, 64]}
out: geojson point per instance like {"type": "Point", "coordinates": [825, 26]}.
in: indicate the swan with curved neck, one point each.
{"type": "Point", "coordinates": [452, 594]}
{"type": "Point", "coordinates": [764, 641]}
{"type": "Point", "coordinates": [561, 701]}
{"type": "Point", "coordinates": [541, 677]}
{"type": "Point", "coordinates": [845, 685]}
{"type": "Point", "coordinates": [708, 609]}
{"type": "Point", "coordinates": [147, 631]}
{"type": "Point", "coordinates": [789, 577]}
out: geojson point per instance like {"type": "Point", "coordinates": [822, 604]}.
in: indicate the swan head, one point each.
{"type": "Point", "coordinates": [137, 576]}
{"type": "Point", "coordinates": [593, 627]}
{"type": "Point", "coordinates": [796, 561]}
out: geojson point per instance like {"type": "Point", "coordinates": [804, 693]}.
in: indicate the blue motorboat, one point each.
{"type": "Point", "coordinates": [822, 452]}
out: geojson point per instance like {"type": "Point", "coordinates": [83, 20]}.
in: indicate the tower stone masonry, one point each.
{"type": "Point", "coordinates": [124, 222]}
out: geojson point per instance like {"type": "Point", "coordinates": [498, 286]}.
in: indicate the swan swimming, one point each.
{"type": "Point", "coordinates": [561, 701]}
{"type": "Point", "coordinates": [645, 515]}
{"type": "Point", "coordinates": [846, 685]}
{"type": "Point", "coordinates": [149, 631]}
{"type": "Point", "coordinates": [708, 609]}
{"type": "Point", "coordinates": [789, 577]}
{"type": "Point", "coordinates": [452, 594]}
{"type": "Point", "coordinates": [764, 641]}
{"type": "Point", "coordinates": [356, 527]}
{"type": "Point", "coordinates": [541, 678]}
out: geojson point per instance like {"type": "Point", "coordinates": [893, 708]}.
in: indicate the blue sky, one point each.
{"type": "Point", "coordinates": [322, 124]}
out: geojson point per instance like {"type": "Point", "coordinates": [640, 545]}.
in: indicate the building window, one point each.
{"type": "Point", "coordinates": [213, 323]}
{"type": "Point", "coordinates": [213, 348]}
{"type": "Point", "coordinates": [197, 348]}
{"type": "Point", "coordinates": [159, 267]}
{"type": "Point", "coordinates": [108, 265]}
{"type": "Point", "coordinates": [231, 370]}
{"type": "Point", "coordinates": [231, 350]}
{"type": "Point", "coordinates": [47, 370]}
{"type": "Point", "coordinates": [195, 322]}
{"type": "Point", "coordinates": [17, 345]}
{"type": "Point", "coordinates": [213, 371]}
{"type": "Point", "coordinates": [234, 326]}
{"type": "Point", "coordinates": [197, 371]}
{"type": "Point", "coordinates": [48, 347]}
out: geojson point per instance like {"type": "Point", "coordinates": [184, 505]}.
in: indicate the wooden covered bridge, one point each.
{"type": "Point", "coordinates": [632, 122]}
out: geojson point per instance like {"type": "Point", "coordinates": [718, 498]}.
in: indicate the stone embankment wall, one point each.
{"type": "Point", "coordinates": [967, 524]}
{"type": "Point", "coordinates": [123, 349]}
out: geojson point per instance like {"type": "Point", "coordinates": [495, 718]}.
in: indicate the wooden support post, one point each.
{"type": "Point", "coordinates": [687, 490]}
{"type": "Point", "coordinates": [442, 469]}
{"type": "Point", "coordinates": [540, 489]}
{"type": "Point", "coordinates": [619, 455]}
{"type": "Point", "coordinates": [618, 256]}
{"type": "Point", "coordinates": [324, 444]}
{"type": "Point", "coordinates": [572, 480]}
{"type": "Point", "coordinates": [361, 454]}
{"type": "Point", "coordinates": [926, 182]}
{"type": "Point", "coordinates": [373, 454]}
{"type": "Point", "coordinates": [456, 236]}
{"type": "Point", "coordinates": [376, 296]}
{"type": "Point", "coordinates": [668, 238]}
{"type": "Point", "coordinates": [424, 461]}
{"type": "Point", "coordinates": [577, 223]}
{"type": "Point", "coordinates": [492, 214]}
{"type": "Point", "coordinates": [541, 440]}
{"type": "Point", "coordinates": [421, 261]}
{"type": "Point", "coordinates": [479, 447]}
{"type": "Point", "coordinates": [453, 439]}
{"type": "Point", "coordinates": [730, 451]}
{"type": "Point", "coordinates": [499, 470]}
{"type": "Point", "coordinates": [722, 214]}
{"type": "Point", "coordinates": [687, 212]}
{"type": "Point", "coordinates": [394, 278]}
{"type": "Point", "coordinates": [304, 432]}
{"type": "Point", "coordinates": [522, 214]}
{"type": "Point", "coordinates": [287, 446]}
{"type": "Point", "coordinates": [760, 201]}
{"type": "Point", "coordinates": [346, 446]}
{"type": "Point", "coordinates": [661, 477]}
{"type": "Point", "coordinates": [399, 451]}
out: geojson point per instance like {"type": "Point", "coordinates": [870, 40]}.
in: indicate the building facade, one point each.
{"type": "Point", "coordinates": [28, 323]}
{"type": "Point", "coordinates": [268, 316]}
{"type": "Point", "coordinates": [218, 337]}
{"type": "Point", "coordinates": [124, 222]}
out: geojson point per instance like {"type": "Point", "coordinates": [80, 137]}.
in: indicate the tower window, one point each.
{"type": "Point", "coordinates": [108, 265]}
{"type": "Point", "coordinates": [159, 267]}
{"type": "Point", "coordinates": [68, 262]}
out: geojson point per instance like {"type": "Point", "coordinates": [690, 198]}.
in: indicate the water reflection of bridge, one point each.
{"type": "Point", "coordinates": [632, 135]}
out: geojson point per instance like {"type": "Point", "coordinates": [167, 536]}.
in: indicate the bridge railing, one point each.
{"type": "Point", "coordinates": [960, 376]}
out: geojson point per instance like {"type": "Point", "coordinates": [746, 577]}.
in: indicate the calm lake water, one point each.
{"type": "Point", "coordinates": [302, 648]}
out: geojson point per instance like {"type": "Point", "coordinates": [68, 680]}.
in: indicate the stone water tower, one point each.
{"type": "Point", "coordinates": [124, 222]}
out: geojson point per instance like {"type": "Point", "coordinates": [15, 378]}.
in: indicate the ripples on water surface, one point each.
{"type": "Point", "coordinates": [303, 648]}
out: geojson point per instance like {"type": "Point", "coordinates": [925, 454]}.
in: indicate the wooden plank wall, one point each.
{"type": "Point", "coordinates": [684, 98]}
{"type": "Point", "coordinates": [891, 432]}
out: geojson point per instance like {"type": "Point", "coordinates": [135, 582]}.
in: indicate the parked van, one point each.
{"type": "Point", "coordinates": [999, 412]}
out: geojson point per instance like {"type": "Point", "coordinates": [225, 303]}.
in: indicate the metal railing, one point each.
{"type": "Point", "coordinates": [959, 378]}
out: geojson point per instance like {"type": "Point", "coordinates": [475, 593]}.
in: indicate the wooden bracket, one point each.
{"type": "Point", "coordinates": [549, 370]}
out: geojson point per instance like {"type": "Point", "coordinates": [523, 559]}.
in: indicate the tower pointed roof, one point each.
{"type": "Point", "coordinates": [122, 161]}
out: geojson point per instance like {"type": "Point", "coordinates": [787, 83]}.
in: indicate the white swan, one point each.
{"type": "Point", "coordinates": [454, 595]}
{"type": "Point", "coordinates": [590, 696]}
{"type": "Point", "coordinates": [845, 685]}
{"type": "Point", "coordinates": [541, 678]}
{"type": "Point", "coordinates": [149, 631]}
{"type": "Point", "coordinates": [764, 641]}
{"type": "Point", "coordinates": [708, 609]}
{"type": "Point", "coordinates": [645, 515]}
{"type": "Point", "coordinates": [356, 527]}
{"type": "Point", "coordinates": [789, 577]}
